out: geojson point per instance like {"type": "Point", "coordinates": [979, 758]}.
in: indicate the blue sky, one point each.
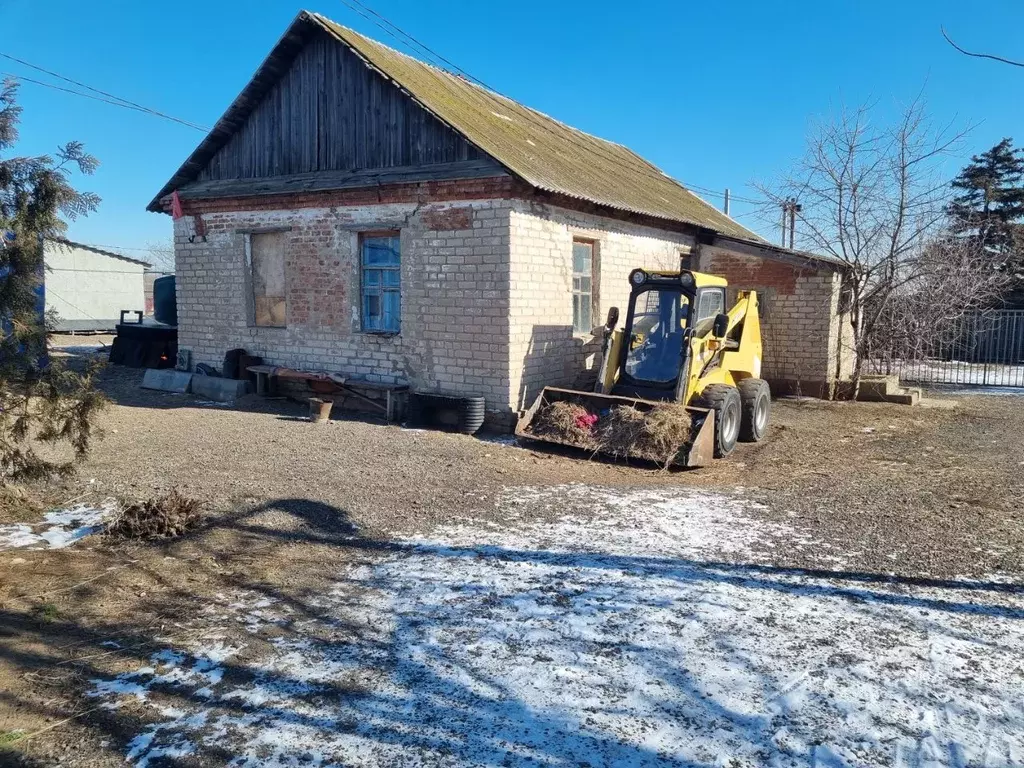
{"type": "Point", "coordinates": [717, 94]}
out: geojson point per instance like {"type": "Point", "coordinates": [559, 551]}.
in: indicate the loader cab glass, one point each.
{"type": "Point", "coordinates": [656, 327]}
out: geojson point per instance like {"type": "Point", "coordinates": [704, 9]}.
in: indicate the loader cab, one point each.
{"type": "Point", "coordinates": [666, 310]}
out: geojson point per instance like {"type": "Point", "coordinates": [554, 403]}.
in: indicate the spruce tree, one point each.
{"type": "Point", "coordinates": [41, 401]}
{"type": "Point", "coordinates": [989, 205]}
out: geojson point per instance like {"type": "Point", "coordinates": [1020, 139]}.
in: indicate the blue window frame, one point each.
{"type": "Point", "coordinates": [381, 281]}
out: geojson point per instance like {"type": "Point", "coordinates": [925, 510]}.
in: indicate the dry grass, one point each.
{"type": "Point", "coordinates": [655, 435]}
{"type": "Point", "coordinates": [159, 518]}
{"type": "Point", "coordinates": [624, 432]}
{"type": "Point", "coordinates": [17, 504]}
{"type": "Point", "coordinates": [565, 421]}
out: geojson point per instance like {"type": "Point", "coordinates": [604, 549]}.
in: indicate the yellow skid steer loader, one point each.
{"type": "Point", "coordinates": [679, 344]}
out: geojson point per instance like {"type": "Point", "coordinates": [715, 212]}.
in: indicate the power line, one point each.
{"type": "Point", "coordinates": [411, 41]}
{"type": "Point", "coordinates": [416, 42]}
{"type": "Point", "coordinates": [119, 247]}
{"type": "Point", "coordinates": [746, 213]}
{"type": "Point", "coordinates": [468, 76]}
{"type": "Point", "coordinates": [980, 55]}
{"type": "Point", "coordinates": [105, 97]}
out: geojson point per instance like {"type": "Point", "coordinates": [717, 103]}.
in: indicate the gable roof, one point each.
{"type": "Point", "coordinates": [71, 244]}
{"type": "Point", "coordinates": [542, 151]}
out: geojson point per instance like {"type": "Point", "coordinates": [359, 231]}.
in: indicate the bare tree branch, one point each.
{"type": "Point", "coordinates": [1011, 62]}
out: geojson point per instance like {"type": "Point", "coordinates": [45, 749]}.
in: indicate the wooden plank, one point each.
{"type": "Point", "coordinates": [327, 111]}
{"type": "Point", "coordinates": [330, 180]}
{"type": "Point", "coordinates": [268, 279]}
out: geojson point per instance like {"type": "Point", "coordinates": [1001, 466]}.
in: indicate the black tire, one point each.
{"type": "Point", "coordinates": [448, 412]}
{"type": "Point", "coordinates": [757, 408]}
{"type": "Point", "coordinates": [471, 415]}
{"type": "Point", "coordinates": [725, 402]}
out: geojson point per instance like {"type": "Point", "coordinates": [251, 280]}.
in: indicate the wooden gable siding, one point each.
{"type": "Point", "coordinates": [330, 112]}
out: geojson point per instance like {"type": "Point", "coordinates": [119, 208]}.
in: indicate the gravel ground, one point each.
{"type": "Point", "coordinates": [922, 491]}
{"type": "Point", "coordinates": [857, 489]}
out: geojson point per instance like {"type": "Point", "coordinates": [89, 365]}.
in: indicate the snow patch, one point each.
{"type": "Point", "coordinates": [58, 529]}
{"type": "Point", "coordinates": [595, 641]}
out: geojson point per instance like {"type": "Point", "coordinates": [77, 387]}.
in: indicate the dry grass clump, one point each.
{"type": "Point", "coordinates": [566, 421]}
{"type": "Point", "coordinates": [158, 518]}
{"type": "Point", "coordinates": [655, 435]}
{"type": "Point", "coordinates": [17, 504]}
{"type": "Point", "coordinates": [623, 431]}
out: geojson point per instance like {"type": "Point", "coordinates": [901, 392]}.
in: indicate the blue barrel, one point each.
{"type": "Point", "coordinates": [165, 300]}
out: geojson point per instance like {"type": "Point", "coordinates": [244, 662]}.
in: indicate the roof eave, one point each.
{"type": "Point", "coordinates": [94, 249]}
{"type": "Point", "coordinates": [224, 127]}
{"type": "Point", "coordinates": [797, 258]}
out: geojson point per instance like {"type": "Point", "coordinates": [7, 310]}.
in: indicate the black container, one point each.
{"type": "Point", "coordinates": [452, 413]}
{"type": "Point", "coordinates": [165, 300]}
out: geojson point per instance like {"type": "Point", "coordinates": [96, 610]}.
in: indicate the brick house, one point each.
{"type": "Point", "coordinates": [358, 211]}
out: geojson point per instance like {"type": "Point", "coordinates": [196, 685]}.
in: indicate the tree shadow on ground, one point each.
{"type": "Point", "coordinates": [350, 648]}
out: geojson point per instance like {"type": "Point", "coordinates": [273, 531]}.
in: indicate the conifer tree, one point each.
{"type": "Point", "coordinates": [41, 401]}
{"type": "Point", "coordinates": [989, 204]}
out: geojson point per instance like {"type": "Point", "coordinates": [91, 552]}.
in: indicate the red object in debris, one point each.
{"type": "Point", "coordinates": [176, 211]}
{"type": "Point", "coordinates": [586, 420]}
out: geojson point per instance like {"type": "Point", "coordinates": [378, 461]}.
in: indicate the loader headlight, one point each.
{"type": "Point", "coordinates": [638, 277]}
{"type": "Point", "coordinates": [686, 280]}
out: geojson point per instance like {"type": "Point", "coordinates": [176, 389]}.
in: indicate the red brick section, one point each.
{"type": "Point", "coordinates": [448, 218]}
{"type": "Point", "coordinates": [317, 289]}
{"type": "Point", "coordinates": [749, 271]}
{"type": "Point", "coordinates": [502, 187]}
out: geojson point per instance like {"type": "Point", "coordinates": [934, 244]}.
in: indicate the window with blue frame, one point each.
{"type": "Point", "coordinates": [381, 281]}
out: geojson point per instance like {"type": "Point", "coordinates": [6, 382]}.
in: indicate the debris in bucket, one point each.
{"type": "Point", "coordinates": [157, 518]}
{"type": "Point", "coordinates": [568, 422]}
{"type": "Point", "coordinates": [622, 431]}
{"type": "Point", "coordinates": [656, 435]}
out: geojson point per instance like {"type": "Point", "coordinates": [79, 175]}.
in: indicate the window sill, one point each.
{"type": "Point", "coordinates": [380, 334]}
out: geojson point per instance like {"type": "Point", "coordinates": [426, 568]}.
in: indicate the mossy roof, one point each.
{"type": "Point", "coordinates": [541, 150]}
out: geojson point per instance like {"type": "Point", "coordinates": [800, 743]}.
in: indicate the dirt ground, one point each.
{"type": "Point", "coordinates": [927, 494]}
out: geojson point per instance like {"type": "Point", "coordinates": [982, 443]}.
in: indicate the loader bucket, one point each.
{"type": "Point", "coordinates": [697, 453]}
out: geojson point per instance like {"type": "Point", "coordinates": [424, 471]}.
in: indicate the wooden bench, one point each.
{"type": "Point", "coordinates": [328, 384]}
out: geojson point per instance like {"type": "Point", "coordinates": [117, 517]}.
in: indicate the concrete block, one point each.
{"type": "Point", "coordinates": [221, 390]}
{"type": "Point", "coordinates": [167, 380]}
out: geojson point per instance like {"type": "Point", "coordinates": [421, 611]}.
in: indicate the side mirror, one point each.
{"type": "Point", "coordinates": [721, 326]}
{"type": "Point", "coordinates": [613, 319]}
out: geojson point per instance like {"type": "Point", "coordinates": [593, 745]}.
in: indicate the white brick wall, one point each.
{"type": "Point", "coordinates": [800, 323]}
{"type": "Point", "coordinates": [543, 350]}
{"type": "Point", "coordinates": [454, 295]}
{"type": "Point", "coordinates": [486, 295]}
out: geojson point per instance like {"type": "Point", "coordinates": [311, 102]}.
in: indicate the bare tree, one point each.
{"type": "Point", "coordinates": [872, 196]}
{"type": "Point", "coordinates": [955, 278]}
{"type": "Point", "coordinates": [161, 256]}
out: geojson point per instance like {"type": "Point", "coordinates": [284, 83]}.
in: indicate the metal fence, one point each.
{"type": "Point", "coordinates": [983, 349]}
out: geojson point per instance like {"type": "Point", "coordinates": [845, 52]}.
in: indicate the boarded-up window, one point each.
{"type": "Point", "coordinates": [381, 279]}
{"type": "Point", "coordinates": [266, 263]}
{"type": "Point", "coordinates": [582, 286]}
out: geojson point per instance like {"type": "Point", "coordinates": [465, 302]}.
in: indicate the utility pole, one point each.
{"type": "Point", "coordinates": [790, 208]}
{"type": "Point", "coordinates": [794, 209]}
{"type": "Point", "coordinates": [725, 208]}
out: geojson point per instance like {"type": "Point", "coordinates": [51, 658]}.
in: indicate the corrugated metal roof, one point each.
{"type": "Point", "coordinates": [96, 249]}
{"type": "Point", "coordinates": [541, 150]}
